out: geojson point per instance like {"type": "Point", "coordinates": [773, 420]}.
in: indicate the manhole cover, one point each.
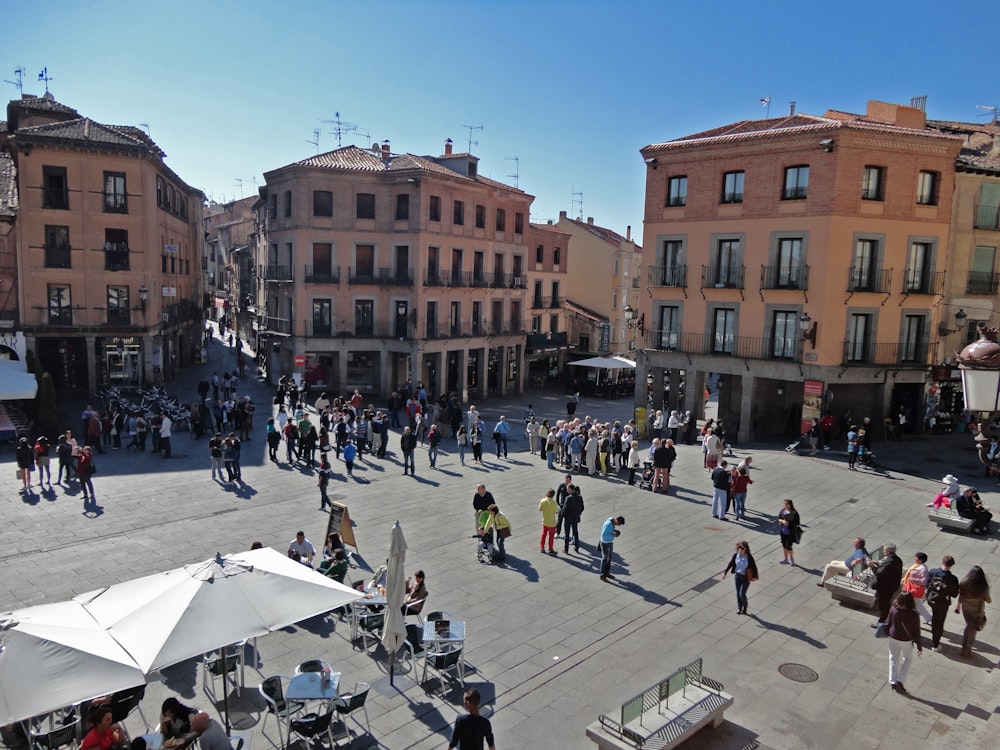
{"type": "Point", "coordinates": [798, 672]}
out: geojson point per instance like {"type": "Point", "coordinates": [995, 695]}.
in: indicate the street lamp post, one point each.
{"type": "Point", "coordinates": [979, 363]}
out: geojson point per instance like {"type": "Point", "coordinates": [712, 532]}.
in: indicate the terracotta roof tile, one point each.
{"type": "Point", "coordinates": [83, 130]}
{"type": "Point", "coordinates": [45, 103]}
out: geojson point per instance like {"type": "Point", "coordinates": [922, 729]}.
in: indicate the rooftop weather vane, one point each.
{"type": "Point", "coordinates": [19, 72]}
{"type": "Point", "coordinates": [44, 76]}
{"type": "Point", "coordinates": [472, 143]}
{"type": "Point", "coordinates": [765, 101]}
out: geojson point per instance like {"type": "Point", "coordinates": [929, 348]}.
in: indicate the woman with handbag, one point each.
{"type": "Point", "coordinates": [791, 533]}
{"type": "Point", "coordinates": [915, 582]}
{"type": "Point", "coordinates": [973, 596]}
{"type": "Point", "coordinates": [498, 521]}
{"type": "Point", "coordinates": [904, 631]}
{"type": "Point", "coordinates": [744, 570]}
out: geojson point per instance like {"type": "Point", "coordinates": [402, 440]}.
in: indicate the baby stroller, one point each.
{"type": "Point", "coordinates": [793, 447]}
{"type": "Point", "coordinates": [866, 458]}
{"type": "Point", "coordinates": [646, 480]}
{"type": "Point", "coordinates": [486, 551]}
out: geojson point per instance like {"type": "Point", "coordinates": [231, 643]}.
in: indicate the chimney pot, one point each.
{"type": "Point", "coordinates": [791, 108]}
{"type": "Point", "coordinates": [590, 220]}
{"type": "Point", "coordinates": [447, 147]}
{"type": "Point", "coordinates": [628, 233]}
{"type": "Point", "coordinates": [385, 149]}
{"type": "Point", "coordinates": [562, 215]}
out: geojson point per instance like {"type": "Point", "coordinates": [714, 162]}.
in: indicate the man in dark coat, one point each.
{"type": "Point", "coordinates": [888, 575]}
{"type": "Point", "coordinates": [572, 509]}
{"type": "Point", "coordinates": [942, 587]}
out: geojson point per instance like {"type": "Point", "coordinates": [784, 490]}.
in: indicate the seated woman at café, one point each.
{"type": "Point", "coordinates": [416, 594]}
{"type": "Point", "coordinates": [175, 718]}
{"type": "Point", "coordinates": [335, 567]}
{"type": "Point", "coordinates": [104, 733]}
{"type": "Point", "coordinates": [333, 543]}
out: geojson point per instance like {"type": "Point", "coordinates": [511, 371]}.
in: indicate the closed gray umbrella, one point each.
{"type": "Point", "coordinates": [394, 633]}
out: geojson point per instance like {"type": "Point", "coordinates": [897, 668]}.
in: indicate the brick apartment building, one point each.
{"type": "Point", "coordinates": [381, 269]}
{"type": "Point", "coordinates": [108, 248]}
{"type": "Point", "coordinates": [804, 259]}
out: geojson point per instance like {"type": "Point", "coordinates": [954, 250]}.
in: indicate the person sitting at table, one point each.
{"type": "Point", "coordinates": [207, 733]}
{"type": "Point", "coordinates": [336, 566]}
{"type": "Point", "coordinates": [104, 733]}
{"type": "Point", "coordinates": [416, 594]}
{"type": "Point", "coordinates": [303, 547]}
{"type": "Point", "coordinates": [175, 718]}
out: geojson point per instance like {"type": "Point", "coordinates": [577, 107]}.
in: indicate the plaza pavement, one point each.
{"type": "Point", "coordinates": [549, 645]}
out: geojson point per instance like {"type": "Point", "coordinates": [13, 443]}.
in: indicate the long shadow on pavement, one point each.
{"type": "Point", "coordinates": [795, 633]}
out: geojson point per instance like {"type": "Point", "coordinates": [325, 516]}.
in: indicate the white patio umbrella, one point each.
{"type": "Point", "coordinates": [394, 632]}
{"type": "Point", "coordinates": [168, 617]}
{"type": "Point", "coordinates": [606, 363]}
{"type": "Point", "coordinates": [56, 655]}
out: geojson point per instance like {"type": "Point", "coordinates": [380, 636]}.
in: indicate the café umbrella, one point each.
{"type": "Point", "coordinates": [168, 617]}
{"type": "Point", "coordinates": [56, 655]}
{"type": "Point", "coordinates": [394, 633]}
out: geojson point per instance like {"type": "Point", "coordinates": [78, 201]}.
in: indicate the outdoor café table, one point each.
{"type": "Point", "coordinates": [372, 598]}
{"type": "Point", "coordinates": [154, 740]}
{"type": "Point", "coordinates": [454, 634]}
{"type": "Point", "coordinates": [309, 686]}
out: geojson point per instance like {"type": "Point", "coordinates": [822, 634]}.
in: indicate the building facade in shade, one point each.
{"type": "Point", "coordinates": [548, 322]}
{"type": "Point", "coordinates": [11, 335]}
{"type": "Point", "coordinates": [383, 269]}
{"type": "Point", "coordinates": [803, 259]}
{"type": "Point", "coordinates": [109, 242]}
{"type": "Point", "coordinates": [228, 263]}
{"type": "Point", "coordinates": [603, 282]}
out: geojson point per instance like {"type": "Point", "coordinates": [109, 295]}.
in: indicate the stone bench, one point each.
{"type": "Point", "coordinates": [850, 590]}
{"type": "Point", "coordinates": [948, 518]}
{"type": "Point", "coordinates": [664, 715]}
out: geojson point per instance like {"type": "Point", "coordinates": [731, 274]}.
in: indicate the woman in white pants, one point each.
{"type": "Point", "coordinates": [904, 631]}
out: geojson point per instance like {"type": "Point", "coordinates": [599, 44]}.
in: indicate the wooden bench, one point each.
{"type": "Point", "coordinates": [948, 518]}
{"type": "Point", "coordinates": [851, 590]}
{"type": "Point", "coordinates": [664, 715]}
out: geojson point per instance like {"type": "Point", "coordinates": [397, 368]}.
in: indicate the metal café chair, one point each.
{"type": "Point", "coordinates": [310, 726]}
{"type": "Point", "coordinates": [445, 660]}
{"type": "Point", "coordinates": [313, 665]}
{"type": "Point", "coordinates": [67, 734]}
{"type": "Point", "coordinates": [370, 625]}
{"type": "Point", "coordinates": [221, 666]}
{"type": "Point", "coordinates": [347, 704]}
{"type": "Point", "coordinates": [272, 690]}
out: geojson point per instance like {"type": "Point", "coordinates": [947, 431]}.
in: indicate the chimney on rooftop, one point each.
{"type": "Point", "coordinates": [562, 215]}
{"type": "Point", "coordinates": [385, 149]}
{"type": "Point", "coordinates": [628, 233]}
{"type": "Point", "coordinates": [447, 147]}
{"type": "Point", "coordinates": [791, 108]}
{"type": "Point", "coordinates": [590, 220]}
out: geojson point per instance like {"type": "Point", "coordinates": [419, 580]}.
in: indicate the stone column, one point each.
{"type": "Point", "coordinates": [746, 408]}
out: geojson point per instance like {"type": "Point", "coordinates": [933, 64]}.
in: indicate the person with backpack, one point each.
{"type": "Point", "coordinates": [942, 587]}
{"type": "Point", "coordinates": [41, 449]}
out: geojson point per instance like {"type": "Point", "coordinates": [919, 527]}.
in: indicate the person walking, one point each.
{"type": "Point", "coordinates": [471, 730]}
{"type": "Point", "coordinates": [215, 453]}
{"type": "Point", "coordinates": [633, 462]}
{"type": "Point", "coordinates": [273, 439]}
{"type": "Point", "coordinates": [609, 532]}
{"type": "Point", "coordinates": [973, 596]}
{"type": "Point", "coordinates": [720, 490]}
{"type": "Point", "coordinates": [572, 510]}
{"type": "Point", "coordinates": [498, 521]}
{"type": "Point", "coordinates": [549, 510]}
{"type": "Point", "coordinates": [904, 631]}
{"type": "Point", "coordinates": [852, 447]}
{"type": "Point", "coordinates": [942, 587]}
{"type": "Point", "coordinates": [500, 433]}
{"type": "Point", "coordinates": [166, 427]}
{"type": "Point", "coordinates": [323, 482]}
{"type": "Point", "coordinates": [888, 574]}
{"type": "Point", "coordinates": [788, 521]}
{"type": "Point", "coordinates": [915, 582]}
{"type": "Point", "coordinates": [85, 470]}
{"type": "Point", "coordinates": [25, 463]}
{"type": "Point", "coordinates": [476, 440]}
{"type": "Point", "coordinates": [41, 451]}
{"type": "Point", "coordinates": [744, 570]}
{"type": "Point", "coordinates": [740, 484]}
{"type": "Point", "coordinates": [350, 453]}
{"type": "Point", "coordinates": [462, 440]}
{"type": "Point", "coordinates": [433, 445]}
{"type": "Point", "coordinates": [408, 444]}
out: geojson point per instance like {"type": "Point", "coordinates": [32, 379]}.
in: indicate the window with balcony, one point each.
{"type": "Point", "coordinates": [477, 319]}
{"type": "Point", "coordinates": [501, 220]}
{"type": "Point", "coordinates": [116, 250]}
{"type": "Point", "coordinates": [669, 268]}
{"type": "Point", "coordinates": [434, 208]}
{"type": "Point", "coordinates": [723, 331]}
{"type": "Point", "coordinates": [873, 183]}
{"type": "Point", "coordinates": [57, 248]}
{"type": "Point", "coordinates": [401, 265]}
{"type": "Point", "coordinates": [288, 203]}
{"type": "Point", "coordinates": [60, 305]}
{"type": "Point", "coordinates": [499, 281]}
{"type": "Point", "coordinates": [496, 323]}
{"type": "Point", "coordinates": [927, 187]}
{"type": "Point", "coordinates": [865, 266]}
{"type": "Point", "coordinates": [364, 264]}
{"type": "Point", "coordinates": [518, 223]}
{"type": "Point", "coordinates": [796, 183]}
{"type": "Point", "coordinates": [556, 299]}
{"type": "Point", "coordinates": [480, 217]}
{"type": "Point", "coordinates": [859, 337]}
{"type": "Point", "coordinates": [433, 266]}
{"type": "Point", "coordinates": [554, 323]}
{"type": "Point", "coordinates": [536, 297]}
{"type": "Point", "coordinates": [119, 312]}
{"type": "Point", "coordinates": [455, 319]}
{"type": "Point", "coordinates": [669, 327]}
{"type": "Point", "coordinates": [983, 276]}
{"type": "Point", "coordinates": [919, 263]}
{"type": "Point", "coordinates": [457, 258]}
{"type": "Point", "coordinates": [115, 197]}
{"type": "Point", "coordinates": [322, 317]}
{"type": "Point", "coordinates": [366, 205]}
{"type": "Point", "coordinates": [784, 334]}
{"type": "Point", "coordinates": [516, 322]}
{"type": "Point", "coordinates": [322, 262]}
{"type": "Point", "coordinates": [458, 214]}
{"type": "Point", "coordinates": [913, 346]}
{"type": "Point", "coordinates": [677, 190]}
{"type": "Point", "coordinates": [728, 270]}
{"type": "Point", "coordinates": [732, 187]}
{"type": "Point", "coordinates": [322, 203]}
{"type": "Point", "coordinates": [788, 266]}
{"type": "Point", "coordinates": [55, 188]}
{"type": "Point", "coordinates": [364, 317]}
{"type": "Point", "coordinates": [402, 207]}
{"type": "Point", "coordinates": [431, 321]}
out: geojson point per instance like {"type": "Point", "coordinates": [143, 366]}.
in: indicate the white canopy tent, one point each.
{"type": "Point", "coordinates": [57, 655]}
{"type": "Point", "coordinates": [16, 383]}
{"type": "Point", "coordinates": [606, 363]}
{"type": "Point", "coordinates": [168, 617]}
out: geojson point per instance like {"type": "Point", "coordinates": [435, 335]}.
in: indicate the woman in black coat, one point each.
{"type": "Point", "coordinates": [744, 569]}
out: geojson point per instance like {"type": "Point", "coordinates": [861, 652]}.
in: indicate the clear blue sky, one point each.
{"type": "Point", "coordinates": [573, 88]}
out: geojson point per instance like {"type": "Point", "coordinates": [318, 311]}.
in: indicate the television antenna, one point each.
{"type": "Point", "coordinates": [341, 128]}
{"type": "Point", "coordinates": [145, 126]}
{"type": "Point", "coordinates": [19, 73]}
{"type": "Point", "coordinates": [44, 76]}
{"type": "Point", "coordinates": [315, 140]}
{"type": "Point", "coordinates": [990, 111]}
{"type": "Point", "coordinates": [472, 143]}
{"type": "Point", "coordinates": [576, 199]}
{"type": "Point", "coordinates": [517, 168]}
{"type": "Point", "coordinates": [239, 184]}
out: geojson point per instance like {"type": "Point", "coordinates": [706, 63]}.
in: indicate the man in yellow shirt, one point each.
{"type": "Point", "coordinates": [549, 509]}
